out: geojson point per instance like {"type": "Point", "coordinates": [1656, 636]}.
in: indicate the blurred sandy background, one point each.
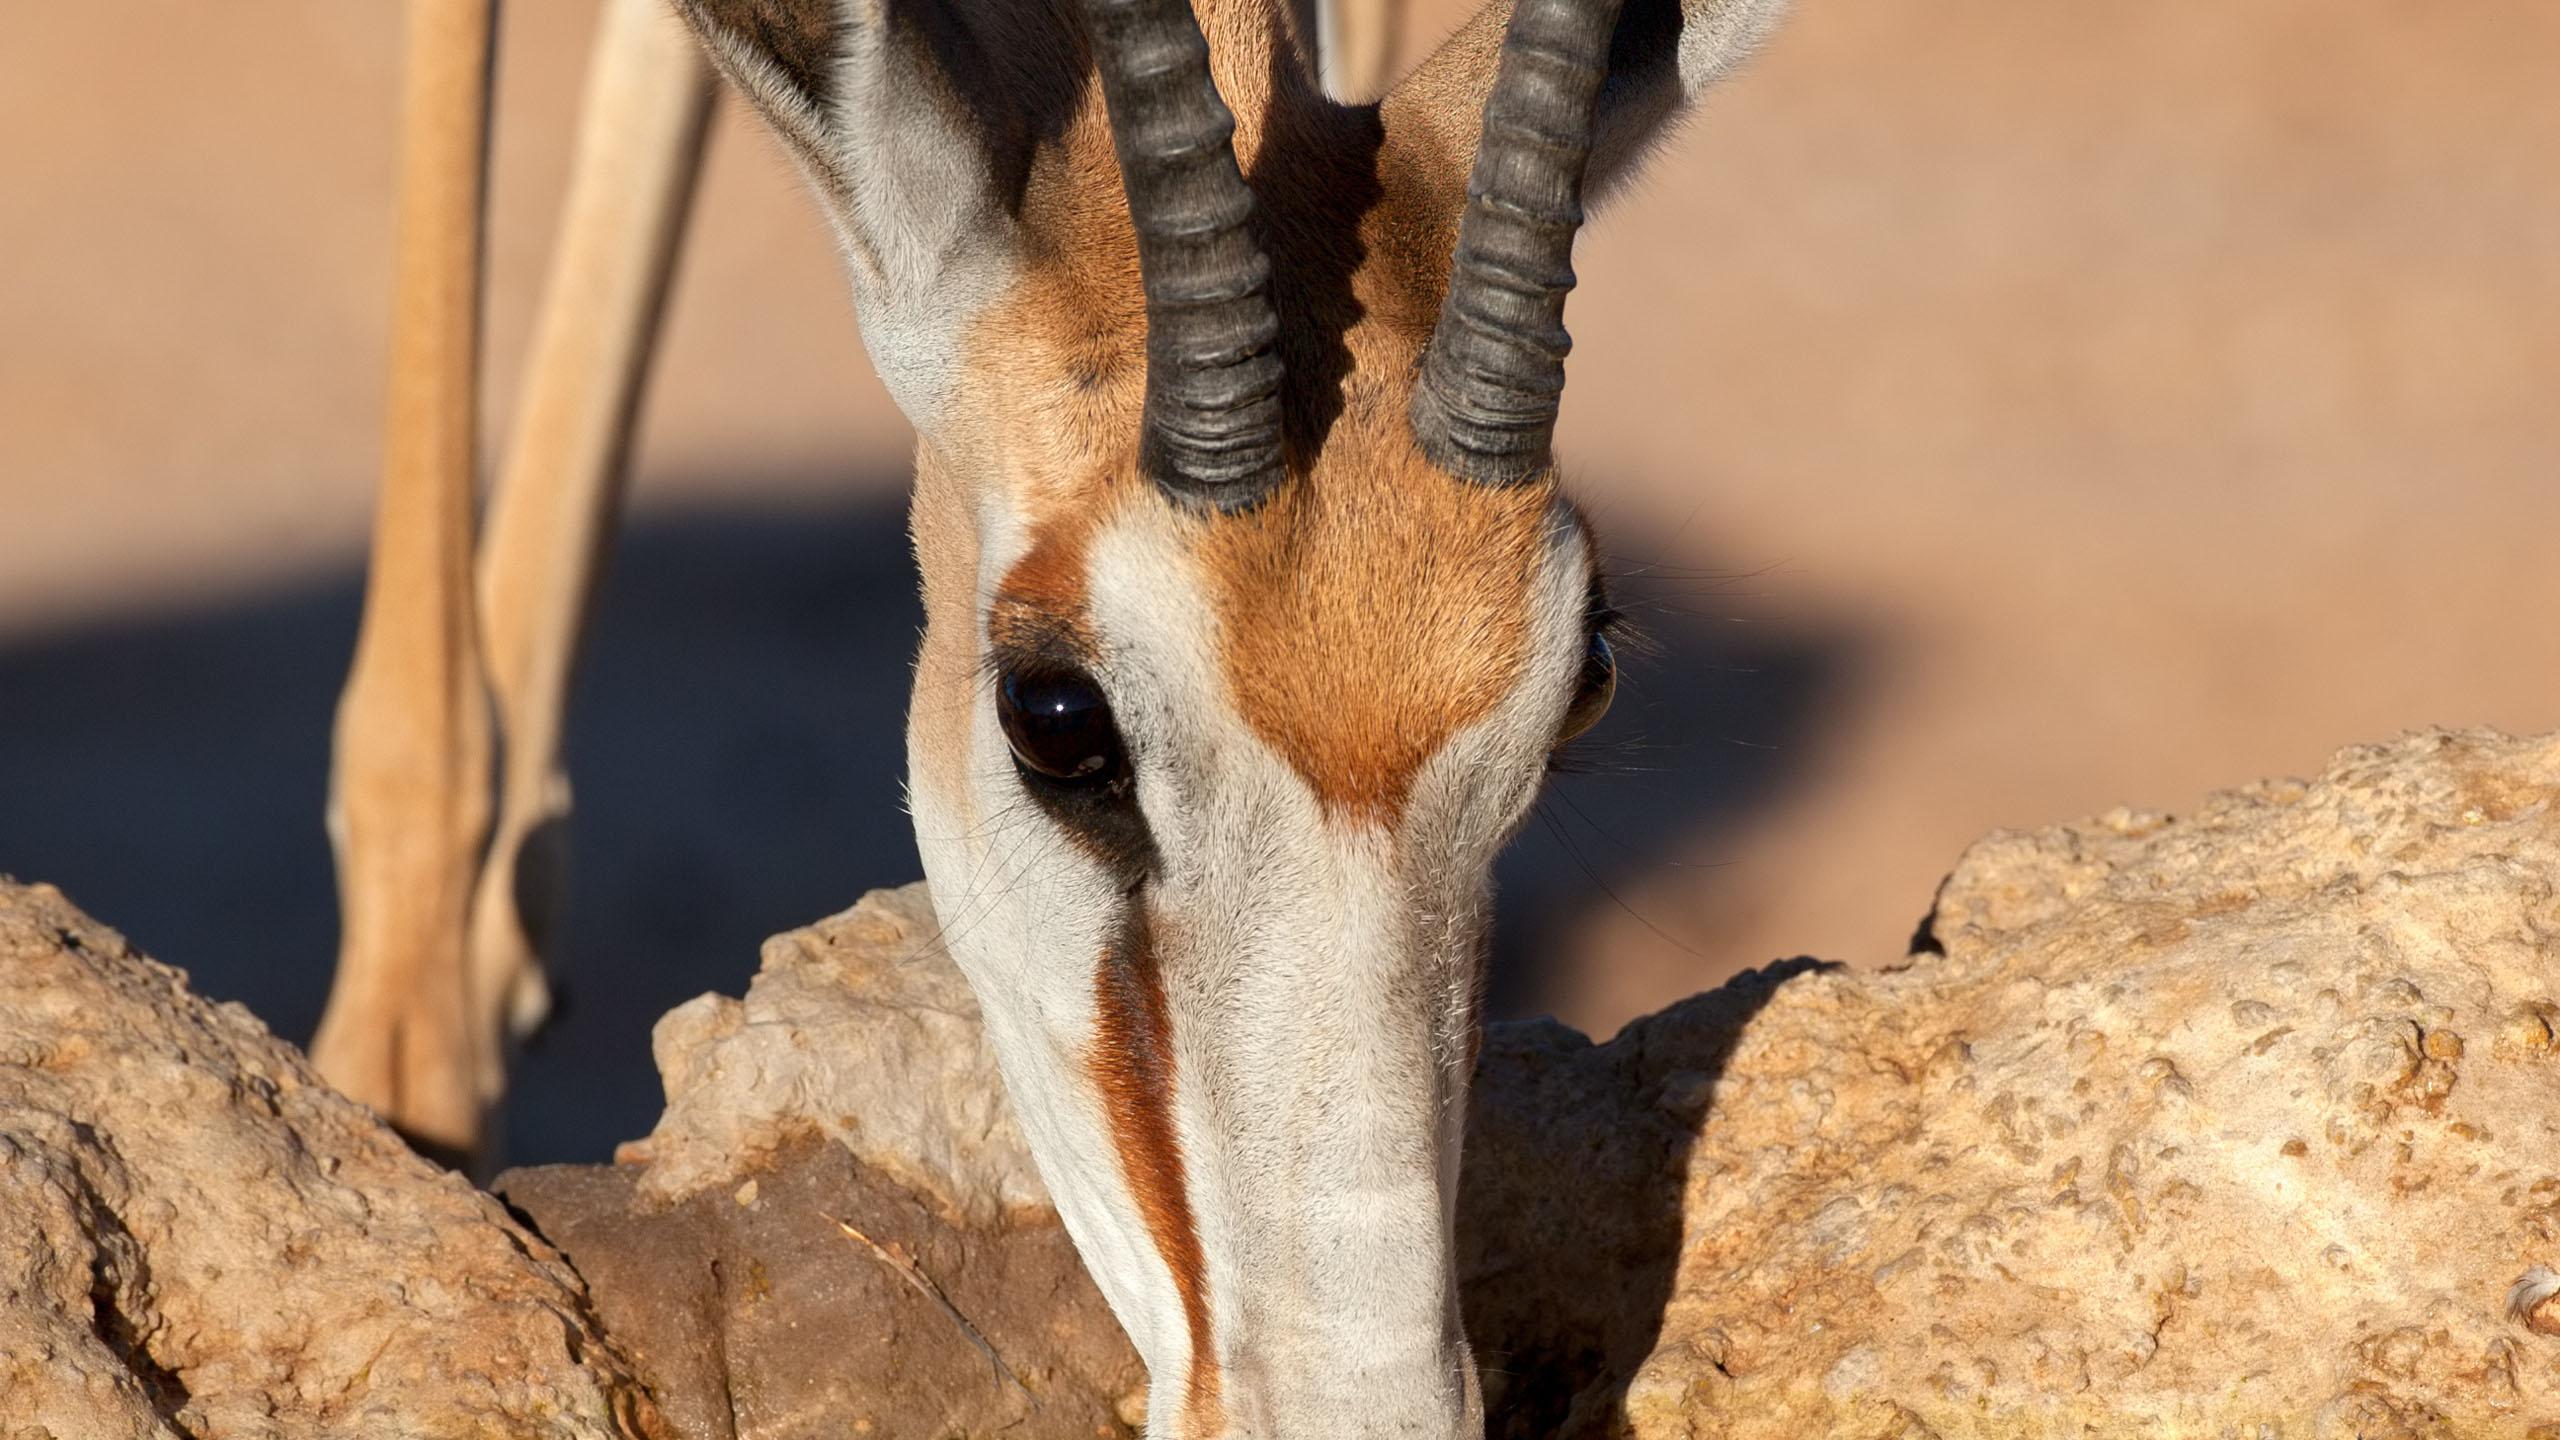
{"type": "Point", "coordinates": [2002, 410]}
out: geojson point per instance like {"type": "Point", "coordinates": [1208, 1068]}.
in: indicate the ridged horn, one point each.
{"type": "Point", "coordinates": [1485, 405]}
{"type": "Point", "coordinates": [1213, 373]}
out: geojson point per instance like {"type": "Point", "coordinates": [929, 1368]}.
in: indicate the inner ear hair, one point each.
{"type": "Point", "coordinates": [1662, 56]}
{"type": "Point", "coordinates": [796, 37]}
{"type": "Point", "coordinates": [781, 55]}
{"type": "Point", "coordinates": [914, 121]}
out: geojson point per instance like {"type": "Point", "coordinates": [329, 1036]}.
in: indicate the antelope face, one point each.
{"type": "Point", "coordinates": [1253, 611]}
{"type": "Point", "coordinates": [1213, 846]}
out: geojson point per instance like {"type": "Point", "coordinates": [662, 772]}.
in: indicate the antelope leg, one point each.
{"type": "Point", "coordinates": [409, 781]}
{"type": "Point", "coordinates": [1356, 43]}
{"type": "Point", "coordinates": [560, 487]}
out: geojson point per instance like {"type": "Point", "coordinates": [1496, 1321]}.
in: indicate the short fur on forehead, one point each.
{"type": "Point", "coordinates": [1373, 605]}
{"type": "Point", "coordinates": [1376, 645]}
{"type": "Point", "coordinates": [963, 153]}
{"type": "Point", "coordinates": [1370, 610]}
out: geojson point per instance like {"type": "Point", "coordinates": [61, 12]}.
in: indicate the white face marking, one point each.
{"type": "Point", "coordinates": [926, 243]}
{"type": "Point", "coordinates": [902, 177]}
{"type": "Point", "coordinates": [1027, 915]}
{"type": "Point", "coordinates": [1320, 976]}
{"type": "Point", "coordinates": [1716, 39]}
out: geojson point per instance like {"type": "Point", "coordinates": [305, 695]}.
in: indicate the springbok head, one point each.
{"type": "Point", "coordinates": [1254, 609]}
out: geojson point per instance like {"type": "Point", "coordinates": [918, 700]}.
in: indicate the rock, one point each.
{"type": "Point", "coordinates": [852, 1084]}
{"type": "Point", "coordinates": [754, 1314]}
{"type": "Point", "coordinates": [199, 1238]}
{"type": "Point", "coordinates": [1569, 1210]}
{"type": "Point", "coordinates": [858, 1029]}
{"type": "Point", "coordinates": [2241, 1124]}
{"type": "Point", "coordinates": [2246, 1123]}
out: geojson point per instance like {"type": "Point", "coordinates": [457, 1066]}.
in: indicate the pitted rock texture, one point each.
{"type": "Point", "coordinates": [199, 1239]}
{"type": "Point", "coordinates": [856, 1028]}
{"type": "Point", "coordinates": [753, 1314]}
{"type": "Point", "coordinates": [2240, 1124]}
{"type": "Point", "coordinates": [2245, 1123]}
{"type": "Point", "coordinates": [854, 1083]}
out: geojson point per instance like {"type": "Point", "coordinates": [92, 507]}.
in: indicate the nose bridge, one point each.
{"type": "Point", "coordinates": [1331, 982]}
{"type": "Point", "coordinates": [1330, 1012]}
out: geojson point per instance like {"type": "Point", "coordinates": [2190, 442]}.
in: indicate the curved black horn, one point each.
{"type": "Point", "coordinates": [1213, 374]}
{"type": "Point", "coordinates": [1485, 406]}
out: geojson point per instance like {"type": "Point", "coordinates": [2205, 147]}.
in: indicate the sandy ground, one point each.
{"type": "Point", "coordinates": [2001, 411]}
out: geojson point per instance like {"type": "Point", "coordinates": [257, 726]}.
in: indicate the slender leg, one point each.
{"type": "Point", "coordinates": [639, 146]}
{"type": "Point", "coordinates": [1357, 40]}
{"type": "Point", "coordinates": [408, 790]}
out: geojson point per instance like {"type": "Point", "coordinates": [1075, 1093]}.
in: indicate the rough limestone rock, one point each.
{"type": "Point", "coordinates": [2245, 1124]}
{"type": "Point", "coordinates": [852, 1086]}
{"type": "Point", "coordinates": [2240, 1124]}
{"type": "Point", "coordinates": [199, 1239]}
{"type": "Point", "coordinates": [754, 1314]}
{"type": "Point", "coordinates": [856, 1028]}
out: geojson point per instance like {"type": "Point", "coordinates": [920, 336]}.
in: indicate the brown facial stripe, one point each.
{"type": "Point", "coordinates": [1372, 609]}
{"type": "Point", "coordinates": [1040, 603]}
{"type": "Point", "coordinates": [1131, 1063]}
{"type": "Point", "coordinates": [1037, 622]}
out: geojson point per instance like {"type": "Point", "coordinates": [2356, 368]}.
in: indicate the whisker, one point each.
{"type": "Point", "coordinates": [1556, 828]}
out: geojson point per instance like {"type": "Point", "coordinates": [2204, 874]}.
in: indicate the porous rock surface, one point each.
{"type": "Point", "coordinates": [835, 1228]}
{"type": "Point", "coordinates": [856, 1028]}
{"type": "Point", "coordinates": [2245, 1123]}
{"type": "Point", "coordinates": [2240, 1124]}
{"type": "Point", "coordinates": [754, 1313]}
{"type": "Point", "coordinates": [200, 1239]}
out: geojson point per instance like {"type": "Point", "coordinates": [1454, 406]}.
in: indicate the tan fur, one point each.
{"type": "Point", "coordinates": [1375, 604]}
{"type": "Point", "coordinates": [409, 780]}
{"type": "Point", "coordinates": [1045, 593]}
{"type": "Point", "coordinates": [551, 511]}
{"type": "Point", "coordinates": [1366, 611]}
{"type": "Point", "coordinates": [1370, 611]}
{"type": "Point", "coordinates": [436, 976]}
{"type": "Point", "coordinates": [946, 541]}
{"type": "Point", "coordinates": [1437, 112]}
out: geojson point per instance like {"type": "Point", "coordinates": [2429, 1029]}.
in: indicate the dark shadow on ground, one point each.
{"type": "Point", "coordinates": [1571, 1208]}
{"type": "Point", "coordinates": [1721, 706]}
{"type": "Point", "coordinates": [736, 747]}
{"type": "Point", "coordinates": [736, 752]}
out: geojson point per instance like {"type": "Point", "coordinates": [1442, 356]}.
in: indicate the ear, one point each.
{"type": "Point", "coordinates": [1664, 54]}
{"type": "Point", "coordinates": [914, 125]}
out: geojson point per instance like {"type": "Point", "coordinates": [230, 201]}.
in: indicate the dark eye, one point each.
{"type": "Point", "coordinates": [1593, 689]}
{"type": "Point", "coordinates": [1059, 725]}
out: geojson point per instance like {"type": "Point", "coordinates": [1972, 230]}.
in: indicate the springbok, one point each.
{"type": "Point", "coordinates": [1254, 608]}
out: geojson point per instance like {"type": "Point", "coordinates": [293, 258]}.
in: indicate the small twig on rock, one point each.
{"type": "Point", "coordinates": [914, 1275]}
